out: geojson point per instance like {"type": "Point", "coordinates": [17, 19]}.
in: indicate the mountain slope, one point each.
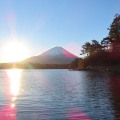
{"type": "Point", "coordinates": [56, 55]}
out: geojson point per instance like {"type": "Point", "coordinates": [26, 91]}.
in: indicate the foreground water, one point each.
{"type": "Point", "coordinates": [59, 95]}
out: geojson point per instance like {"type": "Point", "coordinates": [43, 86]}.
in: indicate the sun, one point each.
{"type": "Point", "coordinates": [14, 51]}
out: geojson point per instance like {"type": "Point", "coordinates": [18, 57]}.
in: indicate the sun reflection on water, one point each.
{"type": "Point", "coordinates": [13, 98]}
{"type": "Point", "coordinates": [14, 76]}
{"type": "Point", "coordinates": [12, 105]}
{"type": "Point", "coordinates": [9, 111]}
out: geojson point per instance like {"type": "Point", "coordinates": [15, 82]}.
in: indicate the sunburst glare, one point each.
{"type": "Point", "coordinates": [14, 51]}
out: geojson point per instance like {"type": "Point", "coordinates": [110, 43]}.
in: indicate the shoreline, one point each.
{"type": "Point", "coordinates": [100, 68]}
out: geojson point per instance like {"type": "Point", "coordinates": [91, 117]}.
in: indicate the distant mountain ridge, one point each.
{"type": "Point", "coordinates": [56, 55]}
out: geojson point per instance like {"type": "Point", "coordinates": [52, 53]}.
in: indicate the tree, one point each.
{"type": "Point", "coordinates": [96, 46]}
{"type": "Point", "coordinates": [114, 30]}
{"type": "Point", "coordinates": [106, 42]}
{"type": "Point", "coordinates": [89, 48]}
{"type": "Point", "coordinates": [113, 40]}
{"type": "Point", "coordinates": [86, 48]}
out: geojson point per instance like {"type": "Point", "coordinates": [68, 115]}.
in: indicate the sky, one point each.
{"type": "Point", "coordinates": [39, 25]}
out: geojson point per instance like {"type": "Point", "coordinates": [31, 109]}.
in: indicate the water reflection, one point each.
{"type": "Point", "coordinates": [77, 114]}
{"type": "Point", "coordinates": [14, 77]}
{"type": "Point", "coordinates": [114, 86]}
{"type": "Point", "coordinates": [8, 112]}
{"type": "Point", "coordinates": [59, 94]}
{"type": "Point", "coordinates": [13, 98]}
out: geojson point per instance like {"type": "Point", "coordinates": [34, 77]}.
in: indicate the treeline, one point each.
{"type": "Point", "coordinates": [21, 65]}
{"type": "Point", "coordinates": [103, 53]}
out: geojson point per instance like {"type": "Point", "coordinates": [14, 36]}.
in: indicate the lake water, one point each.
{"type": "Point", "coordinates": [59, 95]}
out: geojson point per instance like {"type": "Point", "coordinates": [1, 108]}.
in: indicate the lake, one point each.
{"type": "Point", "coordinates": [59, 94]}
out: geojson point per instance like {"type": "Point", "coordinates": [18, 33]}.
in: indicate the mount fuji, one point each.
{"type": "Point", "coordinates": [56, 55]}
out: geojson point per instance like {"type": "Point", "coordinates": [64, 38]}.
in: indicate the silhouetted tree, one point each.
{"type": "Point", "coordinates": [114, 30]}
{"type": "Point", "coordinates": [86, 48]}
{"type": "Point", "coordinates": [96, 46]}
{"type": "Point", "coordinates": [89, 48]}
{"type": "Point", "coordinates": [96, 52]}
{"type": "Point", "coordinates": [106, 42]}
{"type": "Point", "coordinates": [113, 40]}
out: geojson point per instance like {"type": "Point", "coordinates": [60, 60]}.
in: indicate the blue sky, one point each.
{"type": "Point", "coordinates": [43, 24]}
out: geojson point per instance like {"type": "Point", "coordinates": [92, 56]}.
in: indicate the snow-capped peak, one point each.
{"type": "Point", "coordinates": [58, 51]}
